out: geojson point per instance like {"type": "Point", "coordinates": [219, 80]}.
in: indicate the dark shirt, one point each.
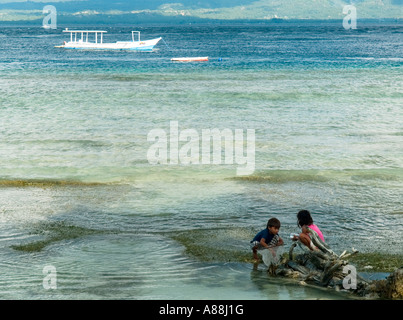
{"type": "Point", "coordinates": [264, 234]}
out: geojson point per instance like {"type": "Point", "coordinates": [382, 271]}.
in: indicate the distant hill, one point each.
{"type": "Point", "coordinates": [195, 10]}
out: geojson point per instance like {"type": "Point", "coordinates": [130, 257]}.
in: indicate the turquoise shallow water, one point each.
{"type": "Point", "coordinates": [77, 190]}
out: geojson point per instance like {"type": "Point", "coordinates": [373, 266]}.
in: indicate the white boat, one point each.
{"type": "Point", "coordinates": [81, 39]}
{"type": "Point", "coordinates": [190, 59]}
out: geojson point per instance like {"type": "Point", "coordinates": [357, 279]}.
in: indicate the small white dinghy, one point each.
{"type": "Point", "coordinates": [190, 59]}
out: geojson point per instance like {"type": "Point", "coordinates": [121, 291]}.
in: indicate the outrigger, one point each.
{"type": "Point", "coordinates": [80, 39]}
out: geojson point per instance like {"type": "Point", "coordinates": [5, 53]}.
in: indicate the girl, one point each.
{"type": "Point", "coordinates": [305, 220]}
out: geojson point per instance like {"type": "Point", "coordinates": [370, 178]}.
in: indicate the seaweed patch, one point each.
{"type": "Point", "coordinates": [54, 232]}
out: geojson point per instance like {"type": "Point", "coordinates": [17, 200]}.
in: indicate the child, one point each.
{"type": "Point", "coordinates": [267, 238]}
{"type": "Point", "coordinates": [305, 220]}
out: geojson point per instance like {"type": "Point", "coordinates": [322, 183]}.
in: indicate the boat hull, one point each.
{"type": "Point", "coordinates": [147, 45]}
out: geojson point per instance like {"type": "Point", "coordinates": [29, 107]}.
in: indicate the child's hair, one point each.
{"type": "Point", "coordinates": [304, 218]}
{"type": "Point", "coordinates": [273, 222]}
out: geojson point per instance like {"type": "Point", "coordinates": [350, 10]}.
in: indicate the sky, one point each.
{"type": "Point", "coordinates": [12, 10]}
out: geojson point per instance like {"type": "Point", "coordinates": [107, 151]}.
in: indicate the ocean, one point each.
{"type": "Point", "coordinates": [86, 212]}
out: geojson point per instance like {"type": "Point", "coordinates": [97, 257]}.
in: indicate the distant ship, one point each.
{"type": "Point", "coordinates": [79, 39]}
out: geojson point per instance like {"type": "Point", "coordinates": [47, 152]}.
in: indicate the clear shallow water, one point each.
{"type": "Point", "coordinates": [77, 191]}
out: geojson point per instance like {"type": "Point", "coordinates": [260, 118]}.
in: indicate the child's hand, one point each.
{"type": "Point", "coordinates": [295, 238]}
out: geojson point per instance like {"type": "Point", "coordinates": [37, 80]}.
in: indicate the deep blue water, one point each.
{"type": "Point", "coordinates": [77, 186]}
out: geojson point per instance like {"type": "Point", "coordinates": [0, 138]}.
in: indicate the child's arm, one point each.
{"type": "Point", "coordinates": [263, 243]}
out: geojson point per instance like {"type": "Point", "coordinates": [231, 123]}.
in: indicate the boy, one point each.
{"type": "Point", "coordinates": [267, 238]}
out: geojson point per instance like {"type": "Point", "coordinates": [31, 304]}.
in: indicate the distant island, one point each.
{"type": "Point", "coordinates": [166, 11]}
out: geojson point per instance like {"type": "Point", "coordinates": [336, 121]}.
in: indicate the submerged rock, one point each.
{"type": "Point", "coordinates": [390, 288]}
{"type": "Point", "coordinates": [394, 285]}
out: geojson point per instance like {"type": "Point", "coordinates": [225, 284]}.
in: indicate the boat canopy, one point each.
{"type": "Point", "coordinates": [85, 33]}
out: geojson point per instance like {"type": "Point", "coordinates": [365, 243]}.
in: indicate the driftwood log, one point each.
{"type": "Point", "coordinates": [324, 268]}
